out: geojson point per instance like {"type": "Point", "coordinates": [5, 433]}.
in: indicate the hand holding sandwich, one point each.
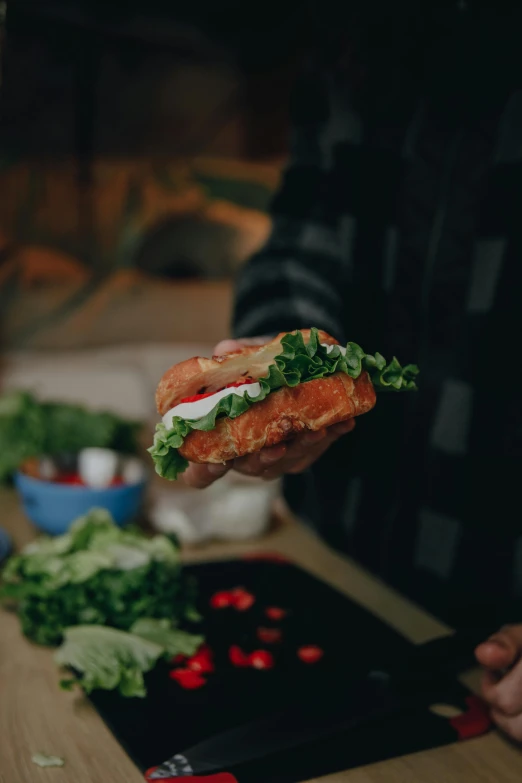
{"type": "Point", "coordinates": [271, 462]}
{"type": "Point", "coordinates": [266, 406]}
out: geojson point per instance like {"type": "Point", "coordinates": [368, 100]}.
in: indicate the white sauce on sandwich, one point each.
{"type": "Point", "coordinates": [199, 408]}
{"type": "Point", "coordinates": [190, 411]}
{"type": "Point", "coordinates": [329, 348]}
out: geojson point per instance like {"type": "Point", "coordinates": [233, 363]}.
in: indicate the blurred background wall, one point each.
{"type": "Point", "coordinates": [139, 148]}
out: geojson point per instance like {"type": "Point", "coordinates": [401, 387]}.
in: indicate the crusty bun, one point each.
{"type": "Point", "coordinates": [308, 406]}
{"type": "Point", "coordinates": [312, 405]}
{"type": "Point", "coordinates": [199, 375]}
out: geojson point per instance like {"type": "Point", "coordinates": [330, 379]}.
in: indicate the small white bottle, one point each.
{"type": "Point", "coordinates": [97, 467]}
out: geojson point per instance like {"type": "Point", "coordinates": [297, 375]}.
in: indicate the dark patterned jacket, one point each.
{"type": "Point", "coordinates": [399, 226]}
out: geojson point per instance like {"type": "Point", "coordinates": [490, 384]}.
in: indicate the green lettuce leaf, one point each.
{"type": "Point", "coordinates": [22, 431]}
{"type": "Point", "coordinates": [29, 428]}
{"type": "Point", "coordinates": [96, 573]}
{"type": "Point", "coordinates": [172, 639]}
{"type": "Point", "coordinates": [43, 760]}
{"type": "Point", "coordinates": [298, 362]}
{"type": "Point", "coordinates": [108, 659]}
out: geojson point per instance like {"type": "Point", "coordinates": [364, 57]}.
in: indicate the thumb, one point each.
{"type": "Point", "coordinates": [499, 651]}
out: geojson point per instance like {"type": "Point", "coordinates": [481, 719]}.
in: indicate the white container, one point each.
{"type": "Point", "coordinates": [97, 467]}
{"type": "Point", "coordinates": [234, 508]}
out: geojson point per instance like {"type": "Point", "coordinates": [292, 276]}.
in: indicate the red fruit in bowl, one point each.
{"type": "Point", "coordinates": [69, 478]}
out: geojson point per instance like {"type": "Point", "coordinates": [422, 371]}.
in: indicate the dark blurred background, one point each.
{"type": "Point", "coordinates": [140, 144]}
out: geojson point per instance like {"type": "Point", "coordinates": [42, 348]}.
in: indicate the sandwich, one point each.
{"type": "Point", "coordinates": [216, 410]}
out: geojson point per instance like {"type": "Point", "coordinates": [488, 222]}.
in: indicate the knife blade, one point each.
{"type": "Point", "coordinates": [416, 680]}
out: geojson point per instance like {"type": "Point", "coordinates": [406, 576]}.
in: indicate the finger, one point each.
{"type": "Point", "coordinates": [307, 448]}
{"type": "Point", "coordinates": [342, 428]}
{"type": "Point", "coordinates": [294, 456]}
{"type": "Point", "coordinates": [249, 465]}
{"type": "Point", "coordinates": [311, 437]}
{"type": "Point", "coordinates": [504, 693]}
{"type": "Point", "coordinates": [201, 476]}
{"type": "Point", "coordinates": [255, 464]}
{"type": "Point", "coordinates": [303, 461]}
{"type": "Point", "coordinates": [502, 649]}
{"type": "Point", "coordinates": [488, 682]}
{"type": "Point", "coordinates": [272, 454]}
{"type": "Point", "coordinates": [317, 442]}
{"type": "Point", "coordinates": [510, 726]}
{"type": "Point", "coordinates": [303, 445]}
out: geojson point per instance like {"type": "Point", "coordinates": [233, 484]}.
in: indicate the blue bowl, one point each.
{"type": "Point", "coordinates": [52, 507]}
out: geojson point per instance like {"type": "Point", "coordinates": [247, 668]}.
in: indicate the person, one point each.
{"type": "Point", "coordinates": [397, 225]}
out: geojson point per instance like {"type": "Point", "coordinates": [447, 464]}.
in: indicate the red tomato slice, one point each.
{"type": "Point", "coordinates": [202, 661]}
{"type": "Point", "coordinates": [241, 382]}
{"type": "Point", "coordinates": [221, 600]}
{"type": "Point", "coordinates": [187, 678]}
{"type": "Point", "coordinates": [275, 613]}
{"type": "Point", "coordinates": [261, 659]}
{"type": "Point", "coordinates": [237, 657]}
{"type": "Point", "coordinates": [310, 653]}
{"type": "Point", "coordinates": [196, 397]}
{"type": "Point", "coordinates": [269, 635]}
{"type": "Point", "coordinates": [242, 599]}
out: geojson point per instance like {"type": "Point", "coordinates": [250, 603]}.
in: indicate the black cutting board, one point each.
{"type": "Point", "coordinates": [171, 719]}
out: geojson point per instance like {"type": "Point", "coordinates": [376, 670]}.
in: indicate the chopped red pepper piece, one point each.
{"type": "Point", "coordinates": [275, 613]}
{"type": "Point", "coordinates": [238, 657]}
{"type": "Point", "coordinates": [269, 635]}
{"type": "Point", "coordinates": [202, 661]}
{"type": "Point", "coordinates": [221, 600]}
{"type": "Point", "coordinates": [261, 659]}
{"type": "Point", "coordinates": [187, 678]}
{"type": "Point", "coordinates": [310, 653]}
{"type": "Point", "coordinates": [178, 659]}
{"type": "Point", "coordinates": [242, 599]}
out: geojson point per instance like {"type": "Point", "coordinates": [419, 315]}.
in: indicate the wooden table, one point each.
{"type": "Point", "coordinates": [36, 716]}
